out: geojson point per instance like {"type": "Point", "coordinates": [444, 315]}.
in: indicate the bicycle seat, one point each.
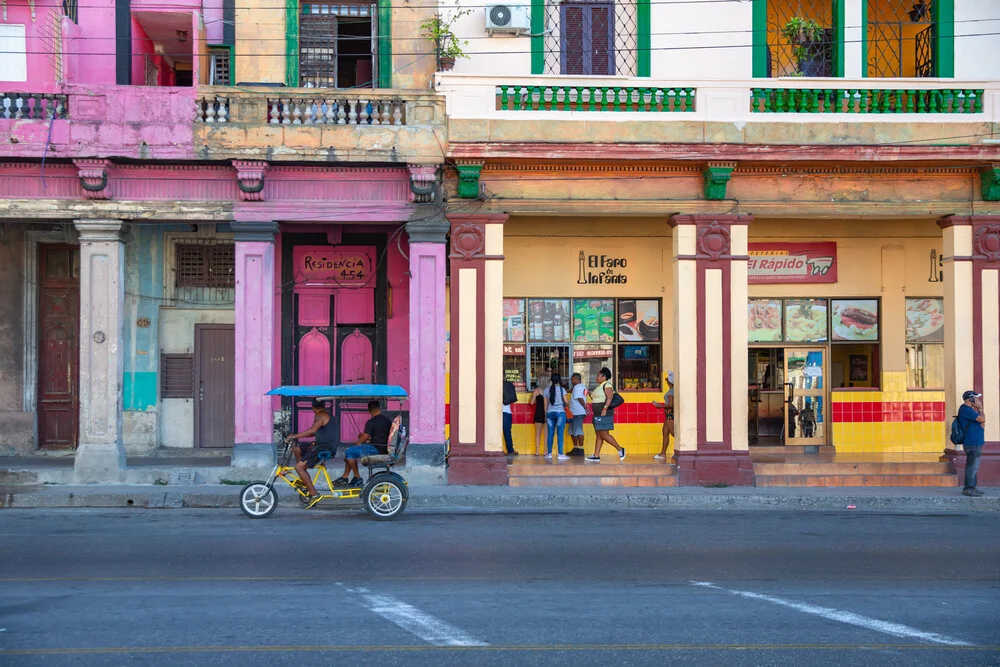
{"type": "Point", "coordinates": [325, 456]}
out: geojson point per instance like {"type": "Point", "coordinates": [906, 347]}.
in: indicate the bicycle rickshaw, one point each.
{"type": "Point", "coordinates": [384, 493]}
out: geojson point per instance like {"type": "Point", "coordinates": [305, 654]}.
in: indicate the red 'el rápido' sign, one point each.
{"type": "Point", "coordinates": [772, 263]}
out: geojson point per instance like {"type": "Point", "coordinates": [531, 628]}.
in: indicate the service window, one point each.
{"type": "Point", "coordinates": [639, 367]}
{"type": "Point", "coordinates": [925, 343]}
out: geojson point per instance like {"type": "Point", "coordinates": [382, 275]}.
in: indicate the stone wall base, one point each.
{"type": "Point", "coordinates": [479, 468]}
{"type": "Point", "coordinates": [96, 463]}
{"type": "Point", "coordinates": [252, 456]}
{"type": "Point", "coordinates": [17, 436]}
{"type": "Point", "coordinates": [989, 466]}
{"type": "Point", "coordinates": [424, 464]}
{"type": "Point", "coordinates": [710, 468]}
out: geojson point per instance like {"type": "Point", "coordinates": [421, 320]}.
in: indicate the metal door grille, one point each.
{"type": "Point", "coordinates": [318, 38]}
{"type": "Point", "coordinates": [797, 54]}
{"type": "Point", "coordinates": [899, 38]}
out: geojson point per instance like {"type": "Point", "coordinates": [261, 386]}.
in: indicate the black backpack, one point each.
{"type": "Point", "coordinates": [509, 393]}
{"type": "Point", "coordinates": [957, 431]}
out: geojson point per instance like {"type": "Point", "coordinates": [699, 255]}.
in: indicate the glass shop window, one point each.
{"type": "Point", "coordinates": [638, 367]}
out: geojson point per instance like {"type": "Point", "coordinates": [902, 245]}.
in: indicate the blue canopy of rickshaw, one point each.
{"type": "Point", "coordinates": [338, 391]}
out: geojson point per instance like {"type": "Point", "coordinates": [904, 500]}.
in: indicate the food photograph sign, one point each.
{"type": "Point", "coordinates": [790, 263]}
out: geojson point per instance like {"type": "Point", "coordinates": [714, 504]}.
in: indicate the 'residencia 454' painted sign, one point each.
{"type": "Point", "coordinates": [772, 263]}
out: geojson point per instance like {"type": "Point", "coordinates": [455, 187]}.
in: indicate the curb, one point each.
{"type": "Point", "coordinates": [45, 498]}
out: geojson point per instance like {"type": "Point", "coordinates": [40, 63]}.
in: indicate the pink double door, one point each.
{"type": "Point", "coordinates": [334, 333]}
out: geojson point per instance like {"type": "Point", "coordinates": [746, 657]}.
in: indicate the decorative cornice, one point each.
{"type": "Point", "coordinates": [250, 179]}
{"type": "Point", "coordinates": [423, 182]}
{"type": "Point", "coordinates": [93, 175]}
{"type": "Point", "coordinates": [717, 175]}
{"type": "Point", "coordinates": [989, 177]}
{"type": "Point", "coordinates": [677, 220]}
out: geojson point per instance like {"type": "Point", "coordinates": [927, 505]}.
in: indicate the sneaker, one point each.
{"type": "Point", "coordinates": [548, 457]}
{"type": "Point", "coordinates": [357, 481]}
{"type": "Point", "coordinates": [659, 457]}
{"type": "Point", "coordinates": [975, 493]}
{"type": "Point", "coordinates": [563, 457]}
{"type": "Point", "coordinates": [593, 459]}
{"type": "Point", "coordinates": [340, 481]}
{"type": "Point", "coordinates": [621, 454]}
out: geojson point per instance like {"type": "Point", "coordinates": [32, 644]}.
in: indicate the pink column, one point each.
{"type": "Point", "coordinates": [426, 452]}
{"type": "Point", "coordinates": [254, 343]}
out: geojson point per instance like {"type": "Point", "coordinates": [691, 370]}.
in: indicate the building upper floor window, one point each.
{"type": "Point", "coordinates": [900, 38]}
{"type": "Point", "coordinates": [338, 45]}
{"type": "Point", "coordinates": [13, 52]}
{"type": "Point", "coordinates": [70, 10]}
{"type": "Point", "coordinates": [591, 37]}
{"type": "Point", "coordinates": [800, 38]}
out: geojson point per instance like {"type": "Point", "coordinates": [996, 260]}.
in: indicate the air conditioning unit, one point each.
{"type": "Point", "coordinates": [510, 19]}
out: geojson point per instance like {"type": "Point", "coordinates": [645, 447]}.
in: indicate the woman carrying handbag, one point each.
{"type": "Point", "coordinates": [605, 400]}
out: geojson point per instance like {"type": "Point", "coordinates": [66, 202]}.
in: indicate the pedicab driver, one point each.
{"type": "Point", "coordinates": [374, 440]}
{"type": "Point", "coordinates": [324, 431]}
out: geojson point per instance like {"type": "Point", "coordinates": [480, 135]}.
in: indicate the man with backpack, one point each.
{"type": "Point", "coordinates": [968, 428]}
{"type": "Point", "coordinates": [509, 398]}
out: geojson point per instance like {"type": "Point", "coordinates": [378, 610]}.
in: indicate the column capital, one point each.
{"type": "Point", "coordinates": [91, 231]}
{"type": "Point", "coordinates": [469, 237]}
{"type": "Point", "coordinates": [254, 231]}
{"type": "Point", "coordinates": [678, 220]}
{"type": "Point", "coordinates": [477, 218]}
{"type": "Point", "coordinates": [432, 230]}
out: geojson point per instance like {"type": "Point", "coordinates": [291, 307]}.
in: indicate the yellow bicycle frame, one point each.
{"type": "Point", "coordinates": [291, 478]}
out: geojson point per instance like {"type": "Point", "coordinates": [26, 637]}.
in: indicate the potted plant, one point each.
{"type": "Point", "coordinates": [810, 45]}
{"type": "Point", "coordinates": [447, 46]}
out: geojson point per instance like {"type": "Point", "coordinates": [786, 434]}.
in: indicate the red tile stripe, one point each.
{"type": "Point", "coordinates": [888, 411]}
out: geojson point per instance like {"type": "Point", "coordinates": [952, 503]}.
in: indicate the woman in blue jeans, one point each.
{"type": "Point", "coordinates": [555, 416]}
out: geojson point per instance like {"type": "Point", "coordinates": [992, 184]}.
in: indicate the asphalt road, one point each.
{"type": "Point", "coordinates": [210, 587]}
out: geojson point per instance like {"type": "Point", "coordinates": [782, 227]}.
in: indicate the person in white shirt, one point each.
{"type": "Point", "coordinates": [555, 415]}
{"type": "Point", "coordinates": [577, 408]}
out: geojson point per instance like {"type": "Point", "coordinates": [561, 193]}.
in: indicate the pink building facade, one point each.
{"type": "Point", "coordinates": [225, 269]}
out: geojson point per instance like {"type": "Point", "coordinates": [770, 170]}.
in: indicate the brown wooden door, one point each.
{"type": "Point", "coordinates": [58, 345]}
{"type": "Point", "coordinates": [215, 385]}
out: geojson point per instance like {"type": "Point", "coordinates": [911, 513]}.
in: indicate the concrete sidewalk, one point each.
{"type": "Point", "coordinates": [524, 498]}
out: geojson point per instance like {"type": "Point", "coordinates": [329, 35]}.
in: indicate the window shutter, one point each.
{"type": "Point", "coordinates": [222, 265]}
{"type": "Point", "coordinates": [190, 261]}
{"type": "Point", "coordinates": [602, 52]}
{"type": "Point", "coordinates": [177, 375]}
{"type": "Point", "coordinates": [220, 67]}
{"type": "Point", "coordinates": [571, 30]}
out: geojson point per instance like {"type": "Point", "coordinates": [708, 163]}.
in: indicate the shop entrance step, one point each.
{"type": "Point", "coordinates": [790, 449]}
{"type": "Point", "coordinates": [537, 471]}
{"type": "Point", "coordinates": [852, 470]}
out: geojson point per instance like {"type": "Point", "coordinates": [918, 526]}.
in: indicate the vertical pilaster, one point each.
{"type": "Point", "coordinates": [100, 456]}
{"type": "Point", "coordinates": [972, 328]}
{"type": "Point", "coordinates": [476, 350]}
{"type": "Point", "coordinates": [254, 330]}
{"type": "Point", "coordinates": [425, 456]}
{"type": "Point", "coordinates": [710, 347]}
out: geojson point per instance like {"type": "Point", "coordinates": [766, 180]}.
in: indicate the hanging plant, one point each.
{"type": "Point", "coordinates": [447, 46]}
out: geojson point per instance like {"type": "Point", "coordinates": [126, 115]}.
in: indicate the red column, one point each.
{"type": "Point", "coordinates": [972, 308]}
{"type": "Point", "coordinates": [476, 452]}
{"type": "Point", "coordinates": [710, 348]}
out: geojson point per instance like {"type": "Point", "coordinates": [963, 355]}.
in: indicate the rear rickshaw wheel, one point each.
{"type": "Point", "coordinates": [258, 500]}
{"type": "Point", "coordinates": [384, 497]}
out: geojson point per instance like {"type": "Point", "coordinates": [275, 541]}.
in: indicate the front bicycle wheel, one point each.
{"type": "Point", "coordinates": [258, 500]}
{"type": "Point", "coordinates": [384, 497]}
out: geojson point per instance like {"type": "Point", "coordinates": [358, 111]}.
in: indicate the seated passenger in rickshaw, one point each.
{"type": "Point", "coordinates": [326, 441]}
{"type": "Point", "coordinates": [374, 440]}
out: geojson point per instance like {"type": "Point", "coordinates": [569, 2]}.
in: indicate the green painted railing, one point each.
{"type": "Point", "coordinates": [594, 98]}
{"type": "Point", "coordinates": [866, 100]}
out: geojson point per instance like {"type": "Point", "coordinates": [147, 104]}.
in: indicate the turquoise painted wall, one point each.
{"type": "Point", "coordinates": [143, 297]}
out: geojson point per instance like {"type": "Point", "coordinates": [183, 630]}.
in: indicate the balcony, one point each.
{"type": "Point", "coordinates": [380, 125]}
{"type": "Point", "coordinates": [97, 121]}
{"type": "Point", "coordinates": [751, 111]}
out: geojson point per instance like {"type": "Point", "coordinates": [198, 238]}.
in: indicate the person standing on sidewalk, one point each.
{"type": "Point", "coordinates": [972, 419]}
{"type": "Point", "coordinates": [555, 416]}
{"type": "Point", "coordinates": [509, 398]}
{"type": "Point", "coordinates": [539, 400]}
{"type": "Point", "coordinates": [668, 416]}
{"type": "Point", "coordinates": [604, 419]}
{"type": "Point", "coordinates": [578, 408]}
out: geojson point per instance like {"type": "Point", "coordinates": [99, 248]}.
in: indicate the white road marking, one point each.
{"type": "Point", "coordinates": [895, 629]}
{"type": "Point", "coordinates": [432, 630]}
